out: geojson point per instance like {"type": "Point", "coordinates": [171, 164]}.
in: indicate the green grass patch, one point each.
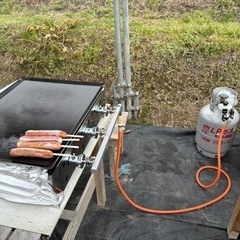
{"type": "Point", "coordinates": [53, 44]}
{"type": "Point", "coordinates": [192, 34]}
{"type": "Point", "coordinates": [55, 35]}
{"type": "Point", "coordinates": [60, 39]}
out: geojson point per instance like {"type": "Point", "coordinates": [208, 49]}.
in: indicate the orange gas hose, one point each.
{"type": "Point", "coordinates": [183, 210]}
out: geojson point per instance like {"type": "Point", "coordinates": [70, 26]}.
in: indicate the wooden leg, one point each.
{"type": "Point", "coordinates": [100, 185]}
{"type": "Point", "coordinates": [112, 149]}
{"type": "Point", "coordinates": [99, 179]}
{"type": "Point", "coordinates": [79, 212]}
{"type": "Point", "coordinates": [234, 224]}
{"type": "Point", "coordinates": [122, 145]}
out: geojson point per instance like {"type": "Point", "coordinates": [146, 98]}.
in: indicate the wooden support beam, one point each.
{"type": "Point", "coordinates": [80, 210]}
{"type": "Point", "coordinates": [8, 233]}
{"type": "Point", "coordinates": [100, 185]}
{"type": "Point", "coordinates": [23, 235]}
{"type": "Point", "coordinates": [234, 224]}
{"type": "Point", "coordinates": [68, 215]}
{"type": "Point", "coordinates": [112, 145]}
{"type": "Point", "coordinates": [5, 232]}
{"type": "Point", "coordinates": [112, 154]}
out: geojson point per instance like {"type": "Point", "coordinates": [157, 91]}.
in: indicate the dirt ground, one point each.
{"type": "Point", "coordinates": [175, 108]}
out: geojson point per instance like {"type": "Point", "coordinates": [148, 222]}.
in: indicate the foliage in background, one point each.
{"type": "Point", "coordinates": [180, 50]}
{"type": "Point", "coordinates": [64, 47]}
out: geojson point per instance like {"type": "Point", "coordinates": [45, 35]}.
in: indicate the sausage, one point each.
{"type": "Point", "coordinates": [58, 133]}
{"type": "Point", "coordinates": [40, 139]}
{"type": "Point", "coordinates": [42, 145]}
{"type": "Point", "coordinates": [31, 152]}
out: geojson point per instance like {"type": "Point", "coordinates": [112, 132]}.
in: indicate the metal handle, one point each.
{"type": "Point", "coordinates": [106, 138]}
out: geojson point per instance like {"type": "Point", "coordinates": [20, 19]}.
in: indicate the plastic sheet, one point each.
{"type": "Point", "coordinates": [27, 184]}
{"type": "Point", "coordinates": [163, 163]}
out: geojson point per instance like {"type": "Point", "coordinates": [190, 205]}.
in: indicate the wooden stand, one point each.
{"type": "Point", "coordinates": [234, 224]}
{"type": "Point", "coordinates": [112, 145]}
{"type": "Point", "coordinates": [23, 221]}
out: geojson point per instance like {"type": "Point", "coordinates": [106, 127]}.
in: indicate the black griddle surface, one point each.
{"type": "Point", "coordinates": [43, 104]}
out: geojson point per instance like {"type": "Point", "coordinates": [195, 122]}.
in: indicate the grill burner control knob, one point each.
{"type": "Point", "coordinates": [93, 132]}
{"type": "Point", "coordinates": [103, 110]}
{"type": "Point", "coordinates": [80, 160]}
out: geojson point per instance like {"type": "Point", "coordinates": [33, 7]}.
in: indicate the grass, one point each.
{"type": "Point", "coordinates": [179, 37]}
{"type": "Point", "coordinates": [188, 51]}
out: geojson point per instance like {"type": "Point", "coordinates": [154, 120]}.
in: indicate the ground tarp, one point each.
{"type": "Point", "coordinates": [162, 165]}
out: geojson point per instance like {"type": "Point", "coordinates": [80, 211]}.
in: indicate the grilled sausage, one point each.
{"type": "Point", "coordinates": [42, 145]}
{"type": "Point", "coordinates": [40, 139]}
{"type": "Point", "coordinates": [31, 152]}
{"type": "Point", "coordinates": [58, 133]}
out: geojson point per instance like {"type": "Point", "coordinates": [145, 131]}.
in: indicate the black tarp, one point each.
{"type": "Point", "coordinates": [163, 162]}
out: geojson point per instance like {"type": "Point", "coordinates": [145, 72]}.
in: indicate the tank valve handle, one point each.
{"type": "Point", "coordinates": [223, 97]}
{"type": "Point", "coordinates": [227, 111]}
{"type": "Point", "coordinates": [231, 114]}
{"type": "Point", "coordinates": [226, 107]}
{"type": "Point", "coordinates": [225, 115]}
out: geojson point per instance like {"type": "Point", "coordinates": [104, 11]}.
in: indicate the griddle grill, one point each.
{"type": "Point", "coordinates": [34, 103]}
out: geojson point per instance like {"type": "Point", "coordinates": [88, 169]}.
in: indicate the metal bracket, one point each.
{"type": "Point", "coordinates": [93, 132]}
{"type": "Point", "coordinates": [103, 110]}
{"type": "Point", "coordinates": [80, 160]}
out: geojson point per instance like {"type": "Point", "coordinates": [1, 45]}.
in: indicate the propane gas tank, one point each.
{"type": "Point", "coordinates": [221, 110]}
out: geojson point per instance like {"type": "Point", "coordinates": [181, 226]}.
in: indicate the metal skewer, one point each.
{"type": "Point", "coordinates": [70, 139]}
{"type": "Point", "coordinates": [62, 154]}
{"type": "Point", "coordinates": [75, 136]}
{"type": "Point", "coordinates": [69, 146]}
